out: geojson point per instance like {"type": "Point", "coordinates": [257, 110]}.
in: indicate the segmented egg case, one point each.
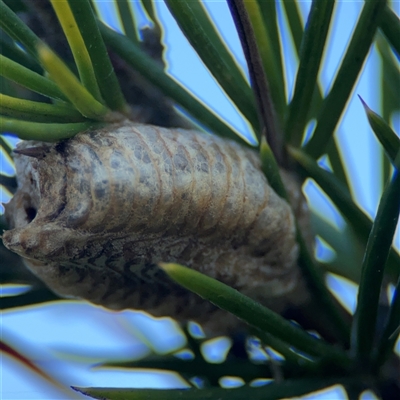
{"type": "Point", "coordinates": [94, 215]}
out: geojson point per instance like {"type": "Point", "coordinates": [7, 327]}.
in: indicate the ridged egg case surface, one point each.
{"type": "Point", "coordinates": [94, 215]}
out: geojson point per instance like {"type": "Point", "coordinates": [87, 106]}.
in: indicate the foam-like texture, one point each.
{"type": "Point", "coordinates": [94, 215]}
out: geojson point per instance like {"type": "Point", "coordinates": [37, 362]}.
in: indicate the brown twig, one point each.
{"type": "Point", "coordinates": [259, 82]}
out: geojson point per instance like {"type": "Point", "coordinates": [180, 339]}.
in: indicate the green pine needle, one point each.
{"type": "Point", "coordinates": [77, 94]}
{"type": "Point", "coordinates": [384, 133]}
{"type": "Point", "coordinates": [106, 78]}
{"type": "Point", "coordinates": [47, 132]}
{"type": "Point", "coordinates": [391, 330]}
{"type": "Point", "coordinates": [323, 298]}
{"type": "Point", "coordinates": [313, 45]}
{"type": "Point", "coordinates": [293, 14]}
{"type": "Point", "coordinates": [18, 30]}
{"type": "Point", "coordinates": [127, 20]}
{"type": "Point", "coordinates": [270, 168]}
{"type": "Point", "coordinates": [347, 247]}
{"type": "Point", "coordinates": [334, 104]}
{"type": "Point", "coordinates": [38, 112]}
{"type": "Point", "coordinates": [376, 254]}
{"type": "Point", "coordinates": [28, 299]}
{"type": "Point", "coordinates": [252, 312]}
{"type": "Point", "coordinates": [390, 26]}
{"type": "Point", "coordinates": [338, 163]}
{"type": "Point", "coordinates": [29, 79]}
{"type": "Point", "coordinates": [202, 35]}
{"type": "Point", "coordinates": [272, 391]}
{"type": "Point", "coordinates": [141, 62]}
{"type": "Point", "coordinates": [342, 199]}
{"type": "Point", "coordinates": [271, 65]}
{"type": "Point", "coordinates": [5, 146]}
{"type": "Point", "coordinates": [78, 47]}
{"type": "Point", "coordinates": [148, 5]}
{"type": "Point", "coordinates": [270, 23]}
{"type": "Point", "coordinates": [10, 50]}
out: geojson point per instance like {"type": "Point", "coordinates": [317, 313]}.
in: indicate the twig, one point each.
{"type": "Point", "coordinates": [258, 79]}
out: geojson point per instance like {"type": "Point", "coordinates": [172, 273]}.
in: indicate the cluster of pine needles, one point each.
{"type": "Point", "coordinates": [49, 97]}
